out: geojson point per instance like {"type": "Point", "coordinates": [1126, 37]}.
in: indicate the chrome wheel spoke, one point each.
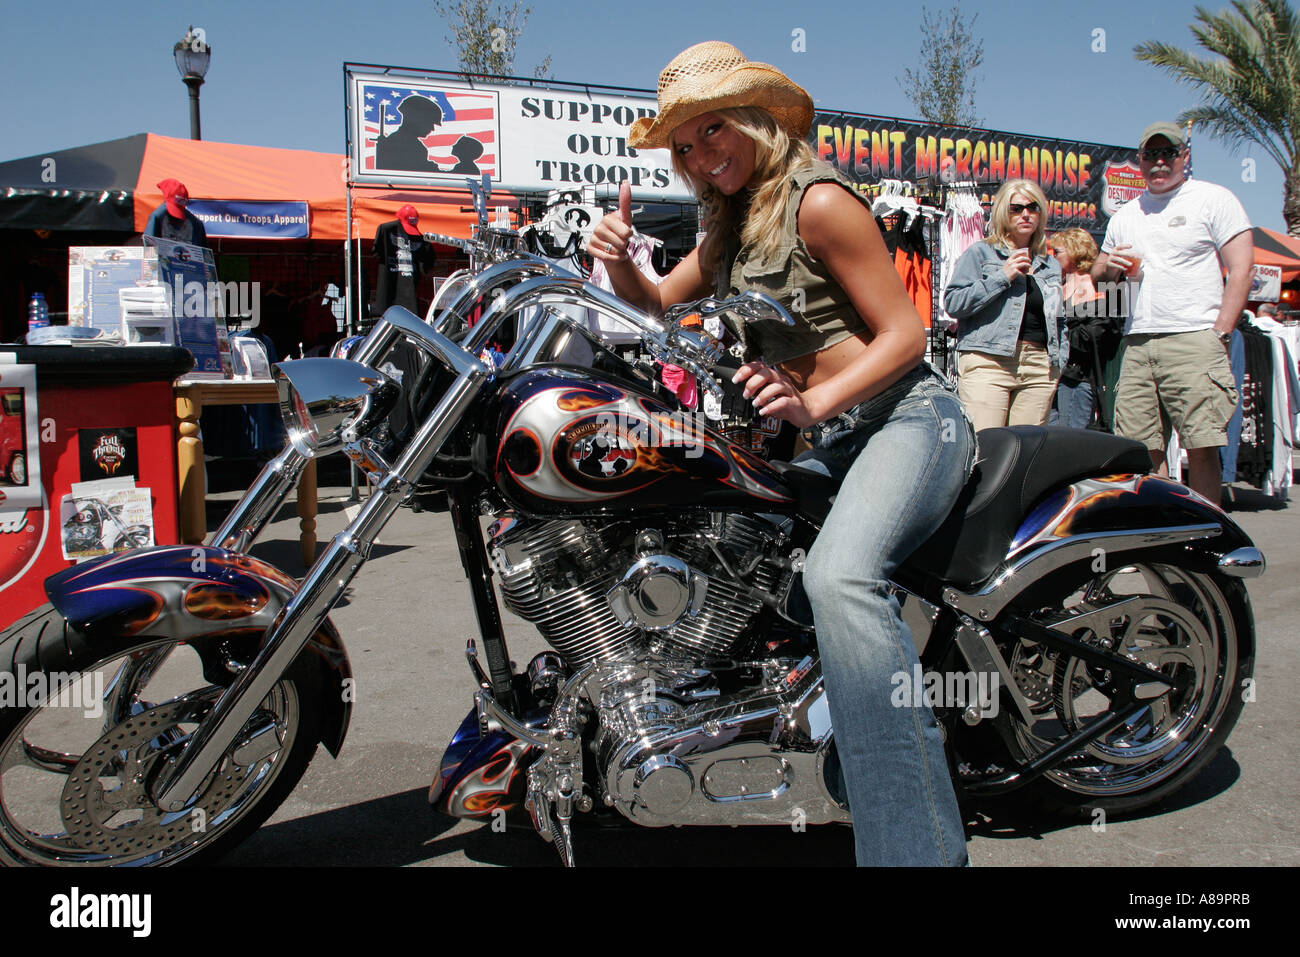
{"type": "Point", "coordinates": [1174, 621]}
{"type": "Point", "coordinates": [29, 755]}
{"type": "Point", "coordinates": [1162, 655]}
{"type": "Point", "coordinates": [123, 691]}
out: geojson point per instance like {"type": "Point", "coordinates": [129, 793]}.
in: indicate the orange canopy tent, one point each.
{"type": "Point", "coordinates": [230, 171]}
{"type": "Point", "coordinates": [113, 186]}
{"type": "Point", "coordinates": [1277, 249]}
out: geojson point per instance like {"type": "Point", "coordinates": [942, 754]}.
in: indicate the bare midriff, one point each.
{"type": "Point", "coordinates": [816, 367]}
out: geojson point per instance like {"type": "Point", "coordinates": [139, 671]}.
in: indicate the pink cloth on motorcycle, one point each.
{"type": "Point", "coordinates": [682, 384]}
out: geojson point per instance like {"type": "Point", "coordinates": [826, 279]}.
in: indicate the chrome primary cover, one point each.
{"type": "Point", "coordinates": [673, 750]}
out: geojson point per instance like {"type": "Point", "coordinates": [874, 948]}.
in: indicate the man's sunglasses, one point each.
{"type": "Point", "coordinates": [1160, 153]}
{"type": "Point", "coordinates": [1018, 208]}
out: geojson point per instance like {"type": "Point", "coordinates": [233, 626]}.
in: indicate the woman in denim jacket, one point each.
{"type": "Point", "coordinates": [1005, 293]}
{"type": "Point", "coordinates": [851, 373]}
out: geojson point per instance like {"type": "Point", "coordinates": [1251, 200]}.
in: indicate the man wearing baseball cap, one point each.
{"type": "Point", "coordinates": [172, 220]}
{"type": "Point", "coordinates": [1176, 239]}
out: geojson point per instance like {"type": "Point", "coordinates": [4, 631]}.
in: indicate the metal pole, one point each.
{"type": "Point", "coordinates": [194, 82]}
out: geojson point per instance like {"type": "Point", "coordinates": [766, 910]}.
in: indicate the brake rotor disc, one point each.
{"type": "Point", "coordinates": [128, 753]}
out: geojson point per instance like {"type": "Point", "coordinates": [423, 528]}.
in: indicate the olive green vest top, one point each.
{"type": "Point", "coordinates": [821, 308]}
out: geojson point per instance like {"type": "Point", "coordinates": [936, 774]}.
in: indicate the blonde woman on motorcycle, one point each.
{"type": "Point", "coordinates": [851, 374]}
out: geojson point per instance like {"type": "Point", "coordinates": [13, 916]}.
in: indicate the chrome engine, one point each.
{"type": "Point", "coordinates": [612, 590]}
{"type": "Point", "coordinates": [692, 725]}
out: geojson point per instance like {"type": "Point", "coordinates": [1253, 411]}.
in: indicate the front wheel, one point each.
{"type": "Point", "coordinates": [1192, 627]}
{"type": "Point", "coordinates": [18, 469]}
{"type": "Point", "coordinates": [89, 726]}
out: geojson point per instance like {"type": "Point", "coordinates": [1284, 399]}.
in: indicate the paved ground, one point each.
{"type": "Point", "coordinates": [407, 615]}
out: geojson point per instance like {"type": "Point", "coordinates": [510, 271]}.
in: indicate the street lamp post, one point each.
{"type": "Point", "coordinates": [192, 58]}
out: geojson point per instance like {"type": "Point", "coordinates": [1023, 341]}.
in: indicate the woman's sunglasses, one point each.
{"type": "Point", "coordinates": [1160, 153]}
{"type": "Point", "coordinates": [1018, 208]}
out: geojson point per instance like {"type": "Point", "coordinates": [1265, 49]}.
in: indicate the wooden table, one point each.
{"type": "Point", "coordinates": [192, 394]}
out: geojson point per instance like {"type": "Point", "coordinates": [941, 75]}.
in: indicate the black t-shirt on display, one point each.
{"type": "Point", "coordinates": [403, 259]}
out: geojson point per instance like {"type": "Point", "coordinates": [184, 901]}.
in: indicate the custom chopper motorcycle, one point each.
{"type": "Point", "coordinates": [1103, 605]}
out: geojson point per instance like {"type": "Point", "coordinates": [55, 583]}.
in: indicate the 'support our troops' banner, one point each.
{"type": "Point", "coordinates": [428, 131]}
{"type": "Point", "coordinates": [1085, 183]}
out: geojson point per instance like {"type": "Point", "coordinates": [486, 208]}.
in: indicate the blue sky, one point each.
{"type": "Point", "coordinates": [76, 72]}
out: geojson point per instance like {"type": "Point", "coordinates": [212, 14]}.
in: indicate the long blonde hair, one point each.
{"type": "Point", "coordinates": [777, 156]}
{"type": "Point", "coordinates": [999, 232]}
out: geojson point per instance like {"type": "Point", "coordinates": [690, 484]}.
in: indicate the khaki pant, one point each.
{"type": "Point", "coordinates": [1181, 380]}
{"type": "Point", "coordinates": [1007, 390]}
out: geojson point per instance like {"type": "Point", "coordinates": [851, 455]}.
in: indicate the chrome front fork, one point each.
{"type": "Point", "coordinates": [268, 491]}
{"type": "Point", "coordinates": [331, 574]}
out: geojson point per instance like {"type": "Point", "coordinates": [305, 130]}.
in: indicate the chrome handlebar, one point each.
{"type": "Point", "coordinates": [514, 281]}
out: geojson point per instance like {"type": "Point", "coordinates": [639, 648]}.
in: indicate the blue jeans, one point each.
{"type": "Point", "coordinates": [1073, 405]}
{"type": "Point", "coordinates": [904, 456]}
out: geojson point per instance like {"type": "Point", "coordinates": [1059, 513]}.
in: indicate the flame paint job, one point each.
{"type": "Point", "coordinates": [479, 775]}
{"type": "Point", "coordinates": [556, 451]}
{"type": "Point", "coordinates": [1114, 503]}
{"type": "Point", "coordinates": [221, 602]}
{"type": "Point", "coordinates": [196, 592]}
{"type": "Point", "coordinates": [152, 588]}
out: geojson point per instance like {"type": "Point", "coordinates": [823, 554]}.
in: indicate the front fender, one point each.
{"type": "Point", "coordinates": [196, 592]}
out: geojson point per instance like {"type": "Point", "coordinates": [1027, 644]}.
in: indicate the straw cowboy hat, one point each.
{"type": "Point", "coordinates": [714, 75]}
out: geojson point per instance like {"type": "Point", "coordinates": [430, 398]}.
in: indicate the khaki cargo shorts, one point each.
{"type": "Point", "coordinates": [1181, 380]}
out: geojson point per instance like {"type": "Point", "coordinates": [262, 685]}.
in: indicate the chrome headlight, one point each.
{"type": "Point", "coordinates": [327, 402]}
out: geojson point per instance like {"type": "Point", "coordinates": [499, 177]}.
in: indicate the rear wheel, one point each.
{"type": "Point", "coordinates": [18, 469]}
{"type": "Point", "coordinates": [94, 723]}
{"type": "Point", "coordinates": [1194, 628]}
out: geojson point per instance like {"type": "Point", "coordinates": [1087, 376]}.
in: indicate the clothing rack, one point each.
{"type": "Point", "coordinates": [936, 192]}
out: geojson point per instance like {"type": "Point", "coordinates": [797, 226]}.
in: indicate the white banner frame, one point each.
{"type": "Point", "coordinates": [530, 137]}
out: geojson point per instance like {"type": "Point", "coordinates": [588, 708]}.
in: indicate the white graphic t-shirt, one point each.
{"type": "Point", "coordinates": [1178, 234]}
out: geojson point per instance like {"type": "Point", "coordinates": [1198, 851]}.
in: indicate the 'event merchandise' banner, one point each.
{"type": "Point", "coordinates": [433, 131]}
{"type": "Point", "coordinates": [252, 219]}
{"type": "Point", "coordinates": [1084, 182]}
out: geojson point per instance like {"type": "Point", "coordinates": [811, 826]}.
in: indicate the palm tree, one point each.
{"type": "Point", "coordinates": [1251, 92]}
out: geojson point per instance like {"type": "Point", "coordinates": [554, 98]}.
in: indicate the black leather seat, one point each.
{"type": "Point", "coordinates": [1016, 467]}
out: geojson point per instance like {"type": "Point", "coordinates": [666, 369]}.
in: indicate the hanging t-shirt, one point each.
{"type": "Point", "coordinates": [912, 262]}
{"type": "Point", "coordinates": [403, 259]}
{"type": "Point", "coordinates": [1178, 234]}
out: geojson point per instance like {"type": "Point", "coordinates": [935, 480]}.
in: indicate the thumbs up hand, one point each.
{"type": "Point", "coordinates": [625, 202]}
{"type": "Point", "coordinates": [609, 240]}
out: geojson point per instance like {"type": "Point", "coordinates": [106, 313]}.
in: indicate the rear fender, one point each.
{"type": "Point", "coordinates": [1107, 518]}
{"type": "Point", "coordinates": [198, 592]}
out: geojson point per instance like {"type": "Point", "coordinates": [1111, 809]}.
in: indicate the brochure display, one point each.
{"type": "Point", "coordinates": [189, 275]}
{"type": "Point", "coordinates": [97, 276]}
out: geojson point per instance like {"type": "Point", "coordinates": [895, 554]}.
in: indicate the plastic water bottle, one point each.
{"type": "Point", "coordinates": [38, 312]}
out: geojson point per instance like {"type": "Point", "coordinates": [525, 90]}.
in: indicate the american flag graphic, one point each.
{"type": "Point", "coordinates": [464, 113]}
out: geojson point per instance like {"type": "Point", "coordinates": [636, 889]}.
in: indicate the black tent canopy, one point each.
{"type": "Point", "coordinates": [84, 188]}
